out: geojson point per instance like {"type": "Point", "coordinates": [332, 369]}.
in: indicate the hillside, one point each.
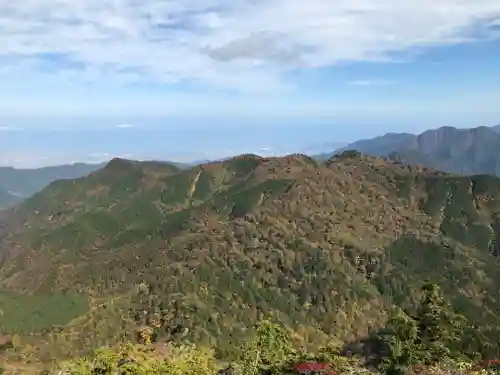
{"type": "Point", "coordinates": [19, 184]}
{"type": "Point", "coordinates": [200, 254]}
{"type": "Point", "coordinates": [16, 184]}
{"type": "Point", "coordinates": [461, 151]}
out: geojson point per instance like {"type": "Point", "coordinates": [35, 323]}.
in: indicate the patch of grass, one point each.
{"type": "Point", "coordinates": [139, 212]}
{"type": "Point", "coordinates": [174, 223]}
{"type": "Point", "coordinates": [21, 313]}
{"type": "Point", "coordinates": [102, 223]}
{"type": "Point", "coordinates": [124, 183]}
{"type": "Point", "coordinates": [437, 191]}
{"type": "Point", "coordinates": [461, 220]}
{"type": "Point", "coordinates": [242, 165]}
{"type": "Point", "coordinates": [71, 236]}
{"type": "Point", "coordinates": [495, 242]}
{"type": "Point", "coordinates": [203, 188]}
{"type": "Point", "coordinates": [177, 188]}
{"type": "Point", "coordinates": [485, 184]}
{"type": "Point", "coordinates": [404, 186]}
{"type": "Point", "coordinates": [241, 200]}
{"type": "Point", "coordinates": [310, 161]}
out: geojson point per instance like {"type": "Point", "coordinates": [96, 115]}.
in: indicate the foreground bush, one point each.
{"type": "Point", "coordinates": [421, 344]}
{"type": "Point", "coordinates": [143, 360]}
{"type": "Point", "coordinates": [269, 351]}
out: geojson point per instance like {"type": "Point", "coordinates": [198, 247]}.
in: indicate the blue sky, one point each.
{"type": "Point", "coordinates": [85, 80]}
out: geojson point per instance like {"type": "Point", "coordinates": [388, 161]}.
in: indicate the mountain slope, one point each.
{"type": "Point", "coordinates": [378, 146]}
{"type": "Point", "coordinates": [201, 253]}
{"type": "Point", "coordinates": [462, 151]}
{"type": "Point", "coordinates": [22, 183]}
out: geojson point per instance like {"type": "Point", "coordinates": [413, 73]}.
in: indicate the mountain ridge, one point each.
{"type": "Point", "coordinates": [462, 151]}
{"type": "Point", "coordinates": [331, 248]}
{"type": "Point", "coordinates": [17, 184]}
{"type": "Point", "coordinates": [22, 183]}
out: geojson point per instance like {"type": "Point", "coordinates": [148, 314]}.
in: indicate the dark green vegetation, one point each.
{"type": "Point", "coordinates": [427, 337]}
{"type": "Point", "coordinates": [19, 184]}
{"type": "Point", "coordinates": [461, 151]}
{"type": "Point", "coordinates": [201, 254]}
{"type": "Point", "coordinates": [24, 314]}
{"type": "Point", "coordinates": [430, 341]}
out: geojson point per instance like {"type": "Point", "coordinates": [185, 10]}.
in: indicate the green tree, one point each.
{"type": "Point", "coordinates": [267, 351]}
{"type": "Point", "coordinates": [429, 337]}
{"type": "Point", "coordinates": [398, 344]}
{"type": "Point", "coordinates": [439, 327]}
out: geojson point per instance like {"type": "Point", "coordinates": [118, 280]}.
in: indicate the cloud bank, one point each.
{"type": "Point", "coordinates": [242, 44]}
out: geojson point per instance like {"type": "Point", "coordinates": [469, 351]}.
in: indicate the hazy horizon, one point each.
{"type": "Point", "coordinates": [162, 144]}
{"type": "Point", "coordinates": [187, 80]}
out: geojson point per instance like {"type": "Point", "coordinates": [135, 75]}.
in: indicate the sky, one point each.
{"type": "Point", "coordinates": [86, 80]}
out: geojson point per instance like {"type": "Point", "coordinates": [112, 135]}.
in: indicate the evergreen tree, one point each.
{"type": "Point", "coordinates": [267, 352]}
{"type": "Point", "coordinates": [397, 342]}
{"type": "Point", "coordinates": [432, 335]}
{"type": "Point", "coordinates": [439, 327]}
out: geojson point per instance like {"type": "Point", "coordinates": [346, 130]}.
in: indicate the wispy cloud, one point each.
{"type": "Point", "coordinates": [371, 82]}
{"type": "Point", "coordinates": [244, 44]}
{"type": "Point", "coordinates": [22, 159]}
{"type": "Point", "coordinates": [10, 128]}
{"type": "Point", "coordinates": [125, 126]}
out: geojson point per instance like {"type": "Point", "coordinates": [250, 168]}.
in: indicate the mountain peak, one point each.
{"type": "Point", "coordinates": [299, 159]}
{"type": "Point", "coordinates": [349, 154]}
{"type": "Point", "coordinates": [248, 156]}
{"type": "Point", "coordinates": [243, 164]}
{"type": "Point", "coordinates": [119, 163]}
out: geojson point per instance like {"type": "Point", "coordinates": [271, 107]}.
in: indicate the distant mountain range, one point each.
{"type": "Point", "coordinates": [17, 184]}
{"type": "Point", "coordinates": [378, 146]}
{"type": "Point", "coordinates": [461, 151]}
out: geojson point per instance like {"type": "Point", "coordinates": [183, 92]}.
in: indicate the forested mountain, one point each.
{"type": "Point", "coordinates": [379, 146]}
{"type": "Point", "coordinates": [461, 151]}
{"type": "Point", "coordinates": [18, 184]}
{"type": "Point", "coordinates": [202, 253]}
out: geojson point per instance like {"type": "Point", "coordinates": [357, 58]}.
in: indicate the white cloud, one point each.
{"type": "Point", "coordinates": [246, 44]}
{"type": "Point", "coordinates": [125, 126]}
{"type": "Point", "coordinates": [10, 128]}
{"type": "Point", "coordinates": [371, 82]}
